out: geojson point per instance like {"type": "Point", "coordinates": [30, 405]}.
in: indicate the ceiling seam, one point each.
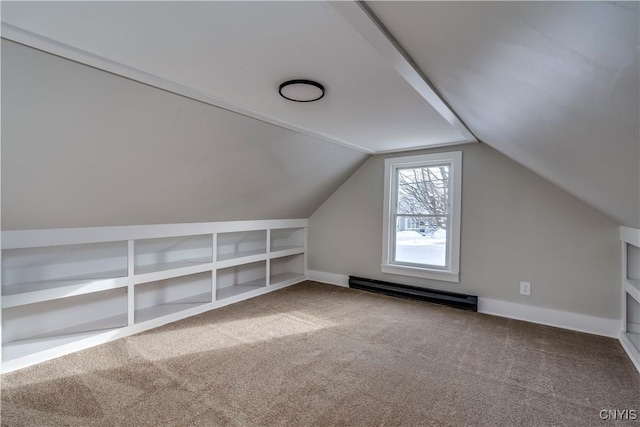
{"type": "Point", "coordinates": [400, 60]}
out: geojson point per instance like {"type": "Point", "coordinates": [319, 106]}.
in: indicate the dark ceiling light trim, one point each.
{"type": "Point", "coordinates": [301, 82]}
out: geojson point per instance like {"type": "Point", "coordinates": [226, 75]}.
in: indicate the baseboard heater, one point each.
{"type": "Point", "coordinates": [453, 299]}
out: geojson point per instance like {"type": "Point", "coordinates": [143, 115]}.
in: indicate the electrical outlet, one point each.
{"type": "Point", "coordinates": [525, 288]}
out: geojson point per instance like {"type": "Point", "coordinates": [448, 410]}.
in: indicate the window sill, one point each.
{"type": "Point", "coordinates": [423, 273]}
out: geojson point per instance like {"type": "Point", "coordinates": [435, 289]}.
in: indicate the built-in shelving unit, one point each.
{"type": "Point", "coordinates": [68, 289]}
{"type": "Point", "coordinates": [630, 335]}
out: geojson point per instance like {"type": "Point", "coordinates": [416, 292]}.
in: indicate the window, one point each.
{"type": "Point", "coordinates": [422, 216]}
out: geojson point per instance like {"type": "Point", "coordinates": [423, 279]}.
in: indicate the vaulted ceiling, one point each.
{"type": "Point", "coordinates": [553, 85]}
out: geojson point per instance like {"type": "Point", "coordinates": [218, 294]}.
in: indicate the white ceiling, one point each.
{"type": "Point", "coordinates": [553, 85]}
{"type": "Point", "coordinates": [235, 54]}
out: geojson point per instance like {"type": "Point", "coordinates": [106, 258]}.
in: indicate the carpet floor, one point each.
{"type": "Point", "coordinates": [315, 354]}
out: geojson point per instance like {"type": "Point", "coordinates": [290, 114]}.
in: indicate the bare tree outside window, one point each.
{"type": "Point", "coordinates": [422, 214]}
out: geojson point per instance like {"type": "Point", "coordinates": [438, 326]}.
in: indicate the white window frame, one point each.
{"type": "Point", "coordinates": [451, 273]}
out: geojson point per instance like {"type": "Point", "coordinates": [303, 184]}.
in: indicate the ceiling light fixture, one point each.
{"type": "Point", "coordinates": [301, 90]}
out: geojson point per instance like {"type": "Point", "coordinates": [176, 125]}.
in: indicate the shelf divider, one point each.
{"type": "Point", "coordinates": [131, 265]}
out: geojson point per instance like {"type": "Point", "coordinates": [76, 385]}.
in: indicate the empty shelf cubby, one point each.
{"type": "Point", "coordinates": [238, 245]}
{"type": "Point", "coordinates": [32, 328]}
{"type": "Point", "coordinates": [239, 279]}
{"type": "Point", "coordinates": [154, 255]}
{"type": "Point", "coordinates": [287, 268]}
{"type": "Point", "coordinates": [284, 239]}
{"type": "Point", "coordinates": [44, 273]}
{"type": "Point", "coordinates": [164, 297]}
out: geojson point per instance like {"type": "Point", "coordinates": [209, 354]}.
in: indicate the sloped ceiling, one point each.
{"type": "Point", "coordinates": [553, 85]}
{"type": "Point", "coordinates": [83, 148]}
{"type": "Point", "coordinates": [236, 54]}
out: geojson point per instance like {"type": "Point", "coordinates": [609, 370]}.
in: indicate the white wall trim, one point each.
{"type": "Point", "coordinates": [549, 317]}
{"type": "Point", "coordinates": [543, 316]}
{"type": "Point", "coordinates": [14, 239]}
{"type": "Point", "coordinates": [328, 278]}
{"type": "Point", "coordinates": [28, 38]}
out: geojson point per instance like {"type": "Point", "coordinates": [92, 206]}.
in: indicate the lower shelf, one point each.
{"type": "Point", "coordinates": [634, 338]}
{"type": "Point", "coordinates": [16, 349]}
{"type": "Point", "coordinates": [286, 277]}
{"type": "Point", "coordinates": [231, 291]}
{"type": "Point", "coordinates": [165, 309]}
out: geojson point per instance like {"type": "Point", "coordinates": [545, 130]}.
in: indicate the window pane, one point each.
{"type": "Point", "coordinates": [421, 240]}
{"type": "Point", "coordinates": [423, 190]}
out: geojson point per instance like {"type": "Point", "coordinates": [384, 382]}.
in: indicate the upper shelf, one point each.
{"type": "Point", "coordinates": [630, 235]}
{"type": "Point", "coordinates": [45, 273]}
{"type": "Point", "coordinates": [287, 238]}
{"type": "Point", "coordinates": [170, 253]}
{"type": "Point", "coordinates": [241, 247]}
{"type": "Point", "coordinates": [29, 293]}
{"type": "Point", "coordinates": [13, 239]}
{"type": "Point", "coordinates": [632, 287]}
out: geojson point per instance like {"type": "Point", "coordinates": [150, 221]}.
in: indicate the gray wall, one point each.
{"type": "Point", "coordinates": [82, 147]}
{"type": "Point", "coordinates": [516, 227]}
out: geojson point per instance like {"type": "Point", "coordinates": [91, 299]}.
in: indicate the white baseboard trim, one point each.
{"type": "Point", "coordinates": [328, 278]}
{"type": "Point", "coordinates": [545, 316]}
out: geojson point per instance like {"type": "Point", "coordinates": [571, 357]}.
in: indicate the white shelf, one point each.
{"type": "Point", "coordinates": [165, 309]}
{"type": "Point", "coordinates": [287, 238]}
{"type": "Point", "coordinates": [634, 283]}
{"type": "Point", "coordinates": [179, 268]}
{"type": "Point", "coordinates": [16, 349]}
{"type": "Point", "coordinates": [630, 235]}
{"type": "Point", "coordinates": [235, 261]}
{"type": "Point", "coordinates": [244, 254]}
{"type": "Point", "coordinates": [287, 268]}
{"type": "Point", "coordinates": [165, 266]}
{"type": "Point", "coordinates": [632, 287]}
{"type": "Point", "coordinates": [287, 251]}
{"type": "Point", "coordinates": [55, 289]}
{"type": "Point", "coordinates": [241, 248]}
{"type": "Point", "coordinates": [231, 291]}
{"type": "Point", "coordinates": [286, 277]}
{"type": "Point", "coordinates": [634, 338]}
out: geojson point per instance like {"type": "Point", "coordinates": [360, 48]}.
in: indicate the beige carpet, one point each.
{"type": "Point", "coordinates": [315, 354]}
